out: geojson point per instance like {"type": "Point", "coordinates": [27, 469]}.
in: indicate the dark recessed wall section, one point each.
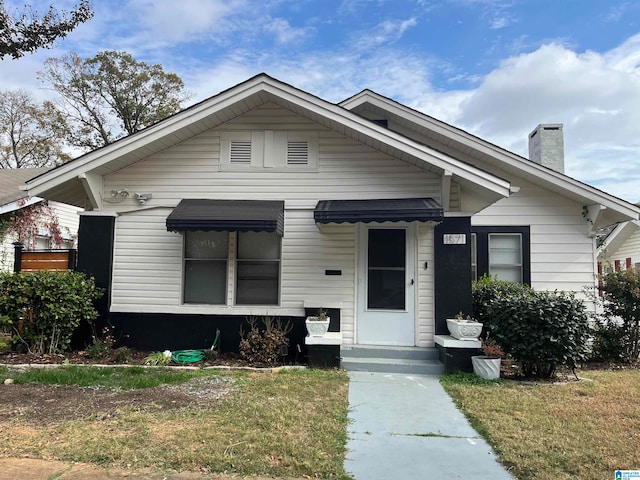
{"type": "Point", "coordinates": [452, 272]}
{"type": "Point", "coordinates": [157, 331]}
{"type": "Point", "coordinates": [95, 258]}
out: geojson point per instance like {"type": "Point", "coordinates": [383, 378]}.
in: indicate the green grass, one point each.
{"type": "Point", "coordinates": [286, 424]}
{"type": "Point", "coordinates": [122, 378]}
{"type": "Point", "coordinates": [583, 430]}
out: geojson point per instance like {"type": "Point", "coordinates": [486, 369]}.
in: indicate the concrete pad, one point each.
{"type": "Point", "coordinates": [406, 426]}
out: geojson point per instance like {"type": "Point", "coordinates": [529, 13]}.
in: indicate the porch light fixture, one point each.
{"type": "Point", "coordinates": [142, 198]}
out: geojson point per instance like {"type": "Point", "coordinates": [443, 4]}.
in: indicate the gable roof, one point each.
{"type": "Point", "coordinates": [74, 181]}
{"type": "Point", "coordinates": [10, 192]}
{"type": "Point", "coordinates": [603, 209]}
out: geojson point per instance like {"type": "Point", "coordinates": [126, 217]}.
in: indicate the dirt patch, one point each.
{"type": "Point", "coordinates": [47, 404]}
{"type": "Point", "coordinates": [35, 469]}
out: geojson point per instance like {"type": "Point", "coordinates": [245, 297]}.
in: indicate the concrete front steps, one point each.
{"type": "Point", "coordinates": [383, 359]}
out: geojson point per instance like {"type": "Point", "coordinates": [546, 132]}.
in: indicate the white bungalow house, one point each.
{"type": "Point", "coordinates": [267, 200]}
{"type": "Point", "coordinates": [13, 199]}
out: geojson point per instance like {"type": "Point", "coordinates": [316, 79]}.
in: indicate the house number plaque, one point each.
{"type": "Point", "coordinates": [455, 239]}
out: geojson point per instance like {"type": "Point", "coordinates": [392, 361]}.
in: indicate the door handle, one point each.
{"type": "Point", "coordinates": [412, 282]}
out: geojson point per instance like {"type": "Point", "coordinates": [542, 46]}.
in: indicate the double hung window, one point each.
{"type": "Point", "coordinates": [503, 252]}
{"type": "Point", "coordinates": [255, 280]}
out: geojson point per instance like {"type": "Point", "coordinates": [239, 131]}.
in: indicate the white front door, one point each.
{"type": "Point", "coordinates": [386, 284]}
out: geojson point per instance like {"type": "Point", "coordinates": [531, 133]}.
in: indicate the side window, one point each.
{"type": "Point", "coordinates": [258, 268]}
{"type": "Point", "coordinates": [474, 256]}
{"type": "Point", "coordinates": [504, 252]}
{"type": "Point", "coordinates": [205, 267]}
{"type": "Point", "coordinates": [505, 256]}
{"type": "Point", "coordinates": [42, 243]}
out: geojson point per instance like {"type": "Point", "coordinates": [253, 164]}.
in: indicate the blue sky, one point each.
{"type": "Point", "coordinates": [495, 68]}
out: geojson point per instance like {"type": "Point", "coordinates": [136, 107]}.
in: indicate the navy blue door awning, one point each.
{"type": "Point", "coordinates": [227, 215]}
{"type": "Point", "coordinates": [391, 210]}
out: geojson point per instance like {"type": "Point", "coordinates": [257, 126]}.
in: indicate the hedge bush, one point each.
{"type": "Point", "coordinates": [42, 309]}
{"type": "Point", "coordinates": [541, 330]}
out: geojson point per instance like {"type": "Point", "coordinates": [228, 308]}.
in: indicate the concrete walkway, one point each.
{"type": "Point", "coordinates": [406, 427]}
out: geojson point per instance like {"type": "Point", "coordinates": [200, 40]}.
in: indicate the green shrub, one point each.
{"type": "Point", "coordinates": [541, 330]}
{"type": "Point", "coordinates": [618, 332]}
{"type": "Point", "coordinates": [102, 345]}
{"type": "Point", "coordinates": [261, 346]}
{"type": "Point", "coordinates": [122, 354]}
{"type": "Point", "coordinates": [42, 309]}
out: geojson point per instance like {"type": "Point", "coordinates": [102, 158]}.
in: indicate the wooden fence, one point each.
{"type": "Point", "coordinates": [34, 260]}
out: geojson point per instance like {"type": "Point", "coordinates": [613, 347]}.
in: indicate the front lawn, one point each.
{"type": "Point", "coordinates": [584, 430]}
{"type": "Point", "coordinates": [286, 424]}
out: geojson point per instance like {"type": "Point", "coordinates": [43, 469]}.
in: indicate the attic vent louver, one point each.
{"type": "Point", "coordinates": [240, 152]}
{"type": "Point", "coordinates": [297, 153]}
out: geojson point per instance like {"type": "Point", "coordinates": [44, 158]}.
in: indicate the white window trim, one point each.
{"type": "Point", "coordinates": [231, 279]}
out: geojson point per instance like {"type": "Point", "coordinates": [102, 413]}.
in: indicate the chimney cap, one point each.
{"type": "Point", "coordinates": [546, 126]}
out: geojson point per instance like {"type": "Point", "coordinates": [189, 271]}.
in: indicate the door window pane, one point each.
{"type": "Point", "coordinates": [258, 268]}
{"type": "Point", "coordinates": [505, 256]}
{"type": "Point", "coordinates": [205, 267]}
{"type": "Point", "coordinates": [386, 269]}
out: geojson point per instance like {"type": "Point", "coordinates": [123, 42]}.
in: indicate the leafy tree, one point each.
{"type": "Point", "coordinates": [111, 95]}
{"type": "Point", "coordinates": [26, 32]}
{"type": "Point", "coordinates": [29, 133]}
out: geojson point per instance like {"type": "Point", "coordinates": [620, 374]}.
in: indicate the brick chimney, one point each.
{"type": "Point", "coordinates": [546, 146]}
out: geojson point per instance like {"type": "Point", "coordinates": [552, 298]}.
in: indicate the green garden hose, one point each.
{"type": "Point", "coordinates": [192, 356]}
{"type": "Point", "coordinates": [187, 356]}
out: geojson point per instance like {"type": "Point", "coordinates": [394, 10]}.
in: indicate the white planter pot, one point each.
{"type": "Point", "coordinates": [486, 367]}
{"type": "Point", "coordinates": [464, 329]}
{"type": "Point", "coordinates": [317, 328]}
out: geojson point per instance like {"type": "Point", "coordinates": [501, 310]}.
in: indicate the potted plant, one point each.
{"type": "Point", "coordinates": [318, 324]}
{"type": "Point", "coordinates": [487, 366]}
{"type": "Point", "coordinates": [464, 328]}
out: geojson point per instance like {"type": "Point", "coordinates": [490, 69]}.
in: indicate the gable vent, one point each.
{"type": "Point", "coordinates": [240, 152]}
{"type": "Point", "coordinates": [297, 153]}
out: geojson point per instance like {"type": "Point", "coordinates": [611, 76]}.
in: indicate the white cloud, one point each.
{"type": "Point", "coordinates": [385, 32]}
{"type": "Point", "coordinates": [590, 93]}
{"type": "Point", "coordinates": [284, 32]}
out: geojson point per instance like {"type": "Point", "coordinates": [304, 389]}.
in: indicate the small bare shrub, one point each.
{"type": "Point", "coordinates": [261, 346]}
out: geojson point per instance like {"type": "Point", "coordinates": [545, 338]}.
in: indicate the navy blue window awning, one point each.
{"type": "Point", "coordinates": [391, 210]}
{"type": "Point", "coordinates": [227, 215]}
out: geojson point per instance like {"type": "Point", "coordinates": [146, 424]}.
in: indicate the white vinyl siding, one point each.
{"type": "Point", "coordinates": [426, 287]}
{"type": "Point", "coordinates": [147, 271]}
{"type": "Point", "coordinates": [562, 254]}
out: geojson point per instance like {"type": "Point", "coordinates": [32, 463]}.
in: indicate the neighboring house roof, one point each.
{"type": "Point", "coordinates": [10, 181]}
{"type": "Point", "coordinates": [610, 209]}
{"type": "Point", "coordinates": [79, 182]}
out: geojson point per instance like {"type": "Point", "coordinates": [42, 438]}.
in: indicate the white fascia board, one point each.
{"type": "Point", "coordinates": [18, 204]}
{"type": "Point", "coordinates": [619, 235]}
{"type": "Point", "coordinates": [588, 193]}
{"type": "Point", "coordinates": [259, 84]}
